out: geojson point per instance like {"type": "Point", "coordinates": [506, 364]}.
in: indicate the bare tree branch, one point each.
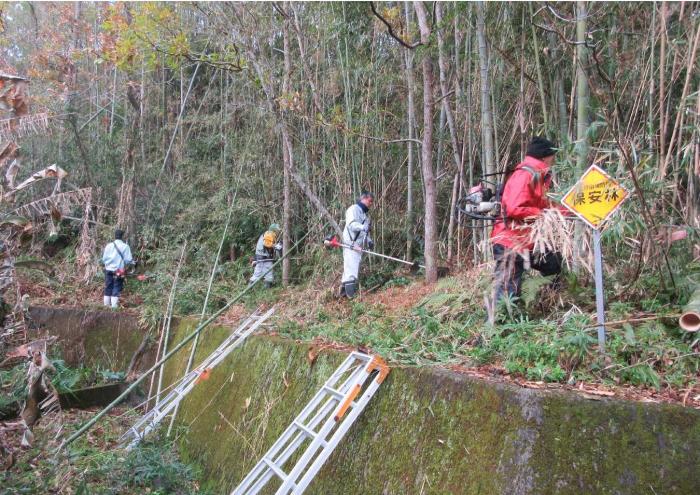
{"type": "Point", "coordinates": [390, 30]}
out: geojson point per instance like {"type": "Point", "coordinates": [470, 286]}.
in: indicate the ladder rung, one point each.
{"type": "Point", "coordinates": [317, 452]}
{"type": "Point", "coordinates": [333, 392]}
{"type": "Point", "coordinates": [309, 432]}
{"type": "Point", "coordinates": [281, 474]}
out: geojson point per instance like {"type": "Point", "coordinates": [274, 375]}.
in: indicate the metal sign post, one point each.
{"type": "Point", "coordinates": [599, 294]}
{"type": "Point", "coordinates": [593, 198]}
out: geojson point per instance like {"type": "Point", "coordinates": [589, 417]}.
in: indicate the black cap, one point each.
{"type": "Point", "coordinates": [119, 234]}
{"type": "Point", "coordinates": [540, 147]}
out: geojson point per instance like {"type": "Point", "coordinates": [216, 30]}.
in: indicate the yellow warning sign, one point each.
{"type": "Point", "coordinates": [595, 196]}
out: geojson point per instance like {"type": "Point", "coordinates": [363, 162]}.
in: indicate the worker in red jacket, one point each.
{"type": "Point", "coordinates": [523, 199]}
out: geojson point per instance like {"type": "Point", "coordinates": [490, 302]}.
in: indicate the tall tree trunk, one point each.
{"type": "Point", "coordinates": [286, 158]}
{"type": "Point", "coordinates": [662, 86]}
{"type": "Point", "coordinates": [582, 92]}
{"type": "Point", "coordinates": [488, 155]}
{"type": "Point", "coordinates": [408, 59]}
{"type": "Point", "coordinates": [114, 101]}
{"type": "Point", "coordinates": [582, 96]}
{"type": "Point", "coordinates": [430, 186]}
{"type": "Point", "coordinates": [540, 79]}
{"type": "Point", "coordinates": [125, 209]}
{"type": "Point", "coordinates": [444, 94]}
{"type": "Point", "coordinates": [453, 218]}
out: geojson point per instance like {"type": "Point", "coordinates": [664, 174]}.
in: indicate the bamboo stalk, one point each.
{"type": "Point", "coordinates": [633, 320]}
{"type": "Point", "coordinates": [489, 166]}
{"type": "Point", "coordinates": [540, 79]}
{"type": "Point", "coordinates": [662, 86]}
{"type": "Point", "coordinates": [193, 350]}
{"type": "Point", "coordinates": [410, 118]}
{"type": "Point", "coordinates": [690, 318]}
{"type": "Point", "coordinates": [677, 127]}
{"type": "Point", "coordinates": [168, 319]}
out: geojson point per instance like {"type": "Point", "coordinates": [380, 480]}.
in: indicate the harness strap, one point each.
{"type": "Point", "coordinates": [120, 253]}
{"type": "Point", "coordinates": [536, 177]}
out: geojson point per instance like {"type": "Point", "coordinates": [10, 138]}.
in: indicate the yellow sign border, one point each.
{"type": "Point", "coordinates": [604, 219]}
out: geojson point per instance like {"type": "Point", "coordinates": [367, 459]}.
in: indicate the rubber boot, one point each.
{"type": "Point", "coordinates": [268, 285]}
{"type": "Point", "coordinates": [350, 289]}
{"type": "Point", "coordinates": [115, 302]}
{"type": "Point", "coordinates": [106, 300]}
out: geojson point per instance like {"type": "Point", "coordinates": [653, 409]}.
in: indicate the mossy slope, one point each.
{"type": "Point", "coordinates": [431, 431]}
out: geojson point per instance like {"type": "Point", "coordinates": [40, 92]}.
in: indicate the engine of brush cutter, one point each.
{"type": "Point", "coordinates": [480, 203]}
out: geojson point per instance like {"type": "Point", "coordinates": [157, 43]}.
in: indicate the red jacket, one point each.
{"type": "Point", "coordinates": [524, 197]}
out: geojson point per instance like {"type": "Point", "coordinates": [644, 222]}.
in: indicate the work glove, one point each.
{"type": "Point", "coordinates": [370, 244]}
{"type": "Point", "coordinates": [278, 246]}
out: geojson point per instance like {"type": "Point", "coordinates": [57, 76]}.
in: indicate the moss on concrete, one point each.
{"type": "Point", "coordinates": [431, 431]}
{"type": "Point", "coordinates": [95, 339]}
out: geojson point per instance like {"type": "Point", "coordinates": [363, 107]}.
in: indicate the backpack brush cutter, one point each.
{"type": "Point", "coordinates": [481, 203]}
{"type": "Point", "coordinates": [333, 242]}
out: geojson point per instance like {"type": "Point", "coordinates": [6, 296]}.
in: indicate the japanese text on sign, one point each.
{"type": "Point", "coordinates": [595, 196]}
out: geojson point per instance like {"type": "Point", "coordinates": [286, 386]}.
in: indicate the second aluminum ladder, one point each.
{"type": "Point", "coordinates": [319, 427]}
{"type": "Point", "coordinates": [149, 421]}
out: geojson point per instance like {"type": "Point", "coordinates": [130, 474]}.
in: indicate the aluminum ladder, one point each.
{"type": "Point", "coordinates": [326, 414]}
{"type": "Point", "coordinates": [149, 421]}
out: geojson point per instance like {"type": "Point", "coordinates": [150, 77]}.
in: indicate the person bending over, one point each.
{"type": "Point", "coordinates": [266, 249]}
{"type": "Point", "coordinates": [523, 200]}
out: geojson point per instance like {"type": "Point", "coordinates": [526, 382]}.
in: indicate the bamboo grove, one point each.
{"type": "Point", "coordinates": [172, 109]}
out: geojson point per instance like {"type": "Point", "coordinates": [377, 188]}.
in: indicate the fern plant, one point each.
{"type": "Point", "coordinates": [531, 287]}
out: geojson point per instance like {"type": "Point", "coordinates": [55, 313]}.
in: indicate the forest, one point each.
{"type": "Point", "coordinates": [193, 126]}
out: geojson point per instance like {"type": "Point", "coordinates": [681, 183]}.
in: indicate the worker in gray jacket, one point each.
{"type": "Point", "coordinates": [265, 250]}
{"type": "Point", "coordinates": [355, 234]}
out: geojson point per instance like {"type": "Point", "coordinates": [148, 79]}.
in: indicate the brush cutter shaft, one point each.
{"type": "Point", "coordinates": [336, 243]}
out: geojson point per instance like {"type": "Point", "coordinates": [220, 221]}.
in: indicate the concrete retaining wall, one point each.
{"type": "Point", "coordinates": [434, 432]}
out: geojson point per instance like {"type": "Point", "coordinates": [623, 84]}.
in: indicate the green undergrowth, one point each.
{"type": "Point", "coordinates": [67, 378]}
{"type": "Point", "coordinates": [546, 336]}
{"type": "Point", "coordinates": [12, 390]}
{"type": "Point", "coordinates": [13, 382]}
{"type": "Point", "coordinates": [93, 465]}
